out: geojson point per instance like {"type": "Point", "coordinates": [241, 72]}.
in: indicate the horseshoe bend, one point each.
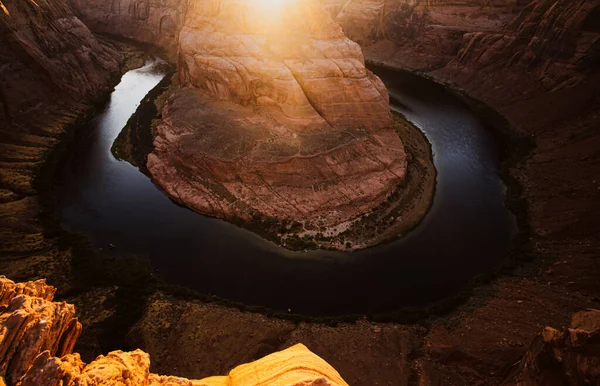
{"type": "Point", "coordinates": [408, 190]}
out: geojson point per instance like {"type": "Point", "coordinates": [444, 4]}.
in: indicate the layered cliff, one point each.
{"type": "Point", "coordinates": [37, 337]}
{"type": "Point", "coordinates": [282, 121]}
{"type": "Point", "coordinates": [418, 34]}
{"type": "Point", "coordinates": [287, 58]}
{"type": "Point", "coordinates": [152, 21]}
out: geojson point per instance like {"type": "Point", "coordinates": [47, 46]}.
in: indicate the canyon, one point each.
{"type": "Point", "coordinates": [536, 64]}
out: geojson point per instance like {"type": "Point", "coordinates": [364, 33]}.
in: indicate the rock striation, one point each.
{"type": "Point", "coordinates": [288, 58]}
{"type": "Point", "coordinates": [37, 337]}
{"type": "Point", "coordinates": [558, 41]}
{"type": "Point", "coordinates": [32, 323]}
{"type": "Point", "coordinates": [281, 120]}
{"type": "Point", "coordinates": [418, 34]}
{"type": "Point", "coordinates": [52, 69]}
{"type": "Point", "coordinates": [151, 21]}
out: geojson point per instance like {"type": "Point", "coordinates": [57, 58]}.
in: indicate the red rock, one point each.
{"type": "Point", "coordinates": [228, 161]}
{"type": "Point", "coordinates": [156, 22]}
{"type": "Point", "coordinates": [289, 59]}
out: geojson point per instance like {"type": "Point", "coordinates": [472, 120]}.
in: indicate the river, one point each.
{"type": "Point", "coordinates": [467, 231]}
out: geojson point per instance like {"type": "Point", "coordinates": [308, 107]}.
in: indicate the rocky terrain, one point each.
{"type": "Point", "coordinates": [486, 341]}
{"type": "Point", "coordinates": [156, 21]}
{"type": "Point", "coordinates": [419, 34]}
{"type": "Point", "coordinates": [52, 72]}
{"type": "Point", "coordinates": [37, 338]}
{"type": "Point", "coordinates": [309, 137]}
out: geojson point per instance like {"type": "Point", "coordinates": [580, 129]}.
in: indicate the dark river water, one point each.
{"type": "Point", "coordinates": [467, 231]}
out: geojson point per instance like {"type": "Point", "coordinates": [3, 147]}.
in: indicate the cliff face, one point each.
{"type": "Point", "coordinates": [558, 42]}
{"type": "Point", "coordinates": [37, 337]}
{"type": "Point", "coordinates": [418, 34]}
{"type": "Point", "coordinates": [290, 59]}
{"type": "Point", "coordinates": [51, 69]}
{"type": "Point", "coordinates": [151, 21]}
{"type": "Point", "coordinates": [48, 54]}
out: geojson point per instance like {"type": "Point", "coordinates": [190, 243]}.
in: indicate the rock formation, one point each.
{"type": "Point", "coordinates": [290, 59]}
{"type": "Point", "coordinates": [557, 41]}
{"type": "Point", "coordinates": [37, 337]}
{"type": "Point", "coordinates": [151, 21]}
{"type": "Point", "coordinates": [47, 54]}
{"type": "Point", "coordinates": [301, 131]}
{"type": "Point", "coordinates": [31, 324]}
{"type": "Point", "coordinates": [567, 357]}
{"type": "Point", "coordinates": [52, 69]}
{"type": "Point", "coordinates": [418, 34]}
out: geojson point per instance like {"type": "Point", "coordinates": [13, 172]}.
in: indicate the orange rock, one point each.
{"type": "Point", "coordinates": [30, 325]}
{"type": "Point", "coordinates": [288, 58]}
{"type": "Point", "coordinates": [39, 289]}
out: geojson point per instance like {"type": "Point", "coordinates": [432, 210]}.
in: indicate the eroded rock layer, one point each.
{"type": "Point", "coordinates": [286, 57]}
{"type": "Point", "coordinates": [151, 21]}
{"type": "Point", "coordinates": [417, 34]}
{"type": "Point", "coordinates": [228, 161]}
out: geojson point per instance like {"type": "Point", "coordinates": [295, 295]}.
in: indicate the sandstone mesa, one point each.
{"type": "Point", "coordinates": [277, 118]}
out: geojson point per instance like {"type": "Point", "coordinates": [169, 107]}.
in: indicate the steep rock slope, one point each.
{"type": "Point", "coordinates": [418, 34]}
{"type": "Point", "coordinates": [151, 21]}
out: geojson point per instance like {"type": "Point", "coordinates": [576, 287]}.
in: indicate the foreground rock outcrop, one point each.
{"type": "Point", "coordinates": [282, 123]}
{"type": "Point", "coordinates": [567, 357]}
{"type": "Point", "coordinates": [37, 337]}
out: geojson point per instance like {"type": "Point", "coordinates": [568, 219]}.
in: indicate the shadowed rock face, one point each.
{"type": "Point", "coordinates": [47, 54]}
{"type": "Point", "coordinates": [418, 34]}
{"type": "Point", "coordinates": [568, 357]}
{"type": "Point", "coordinates": [556, 41]}
{"type": "Point", "coordinates": [150, 21]}
{"type": "Point", "coordinates": [289, 59]}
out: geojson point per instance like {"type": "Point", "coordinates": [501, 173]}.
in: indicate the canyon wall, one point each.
{"type": "Point", "coordinates": [418, 34]}
{"type": "Point", "coordinates": [290, 59]}
{"type": "Point", "coordinates": [52, 69]}
{"type": "Point", "coordinates": [151, 21]}
{"type": "Point", "coordinates": [48, 54]}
